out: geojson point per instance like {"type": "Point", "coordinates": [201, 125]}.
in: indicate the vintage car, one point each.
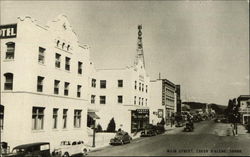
{"type": "Point", "coordinates": [5, 149]}
{"type": "Point", "coordinates": [121, 137]}
{"type": "Point", "coordinates": [68, 148]}
{"type": "Point", "coordinates": [159, 128]}
{"type": "Point", "coordinates": [149, 130]}
{"type": "Point", "coordinates": [39, 149]}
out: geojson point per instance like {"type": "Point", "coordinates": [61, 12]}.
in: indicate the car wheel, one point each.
{"type": "Point", "coordinates": [66, 154]}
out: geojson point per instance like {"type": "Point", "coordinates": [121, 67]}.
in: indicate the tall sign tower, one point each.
{"type": "Point", "coordinates": [139, 55]}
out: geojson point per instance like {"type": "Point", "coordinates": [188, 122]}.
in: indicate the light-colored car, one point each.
{"type": "Point", "coordinates": [70, 148]}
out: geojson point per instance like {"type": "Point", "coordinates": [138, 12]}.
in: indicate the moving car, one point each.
{"type": "Point", "coordinates": [189, 127]}
{"type": "Point", "coordinates": [149, 130]}
{"type": "Point", "coordinates": [39, 149]}
{"type": "Point", "coordinates": [121, 137]}
{"type": "Point", "coordinates": [68, 148]}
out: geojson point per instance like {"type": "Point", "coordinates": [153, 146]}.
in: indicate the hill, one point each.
{"type": "Point", "coordinates": [219, 109]}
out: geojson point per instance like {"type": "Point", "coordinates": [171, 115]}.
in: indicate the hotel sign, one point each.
{"type": "Point", "coordinates": [8, 31]}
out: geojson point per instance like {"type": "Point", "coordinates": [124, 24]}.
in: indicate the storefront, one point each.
{"type": "Point", "coordinates": [139, 119]}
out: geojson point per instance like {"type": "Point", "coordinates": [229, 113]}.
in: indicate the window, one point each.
{"type": "Point", "coordinates": [93, 83]}
{"type": "Point", "coordinates": [56, 86]}
{"type": "Point", "coordinates": [77, 118]}
{"type": "Point", "coordinates": [68, 47]}
{"type": "Point", "coordinates": [67, 63]}
{"type": "Point", "coordinates": [1, 116]}
{"type": "Point", "coordinates": [58, 60]}
{"type": "Point", "coordinates": [37, 118]}
{"type": "Point", "coordinates": [119, 99]}
{"type": "Point", "coordinates": [79, 67]}
{"type": "Point", "coordinates": [40, 83]}
{"type": "Point", "coordinates": [102, 83]}
{"type": "Point", "coordinates": [92, 99]}
{"type": "Point", "coordinates": [8, 85]}
{"type": "Point", "coordinates": [41, 55]}
{"type": "Point", "coordinates": [63, 44]}
{"type": "Point", "coordinates": [142, 87]}
{"type": "Point", "coordinates": [146, 102]}
{"type": "Point", "coordinates": [135, 84]}
{"type": "Point", "coordinates": [66, 88]}
{"type": "Point", "coordinates": [139, 86]}
{"type": "Point", "coordinates": [146, 88]}
{"type": "Point", "coordinates": [10, 50]}
{"type": "Point", "coordinates": [102, 99]}
{"type": "Point", "coordinates": [142, 101]}
{"type": "Point", "coordinates": [120, 83]}
{"type": "Point", "coordinates": [139, 100]}
{"type": "Point", "coordinates": [57, 43]}
{"type": "Point", "coordinates": [65, 111]}
{"type": "Point", "coordinates": [135, 100]}
{"type": "Point", "coordinates": [79, 90]}
{"type": "Point", "coordinates": [55, 115]}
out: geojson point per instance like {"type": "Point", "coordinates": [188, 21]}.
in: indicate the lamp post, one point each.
{"type": "Point", "coordinates": [93, 145]}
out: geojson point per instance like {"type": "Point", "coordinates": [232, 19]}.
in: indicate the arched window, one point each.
{"type": "Point", "coordinates": [57, 43]}
{"type": "Point", "coordinates": [8, 85]}
{"type": "Point", "coordinates": [10, 50]}
{"type": "Point", "coordinates": [63, 44]}
{"type": "Point", "coordinates": [68, 47]}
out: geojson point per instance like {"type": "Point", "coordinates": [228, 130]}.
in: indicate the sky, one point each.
{"type": "Point", "coordinates": [201, 45]}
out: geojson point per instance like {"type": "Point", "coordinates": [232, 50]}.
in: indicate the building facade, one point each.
{"type": "Point", "coordinates": [163, 100]}
{"type": "Point", "coordinates": [44, 83]}
{"type": "Point", "coordinates": [244, 103]}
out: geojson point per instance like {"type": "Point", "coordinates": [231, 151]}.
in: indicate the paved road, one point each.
{"type": "Point", "coordinates": [208, 139]}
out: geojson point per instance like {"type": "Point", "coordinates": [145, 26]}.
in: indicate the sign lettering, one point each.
{"type": "Point", "coordinates": [8, 31]}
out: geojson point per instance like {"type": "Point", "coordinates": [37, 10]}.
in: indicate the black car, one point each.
{"type": "Point", "coordinates": [39, 149]}
{"type": "Point", "coordinates": [121, 137]}
{"type": "Point", "coordinates": [149, 130]}
{"type": "Point", "coordinates": [159, 128]}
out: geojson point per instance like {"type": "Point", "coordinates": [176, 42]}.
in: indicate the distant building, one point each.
{"type": "Point", "coordinates": [244, 102]}
{"type": "Point", "coordinates": [163, 100]}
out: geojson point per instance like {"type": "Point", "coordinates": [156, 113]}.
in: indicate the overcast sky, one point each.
{"type": "Point", "coordinates": [201, 45]}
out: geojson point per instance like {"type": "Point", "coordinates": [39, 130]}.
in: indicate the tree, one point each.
{"type": "Point", "coordinates": [111, 126]}
{"type": "Point", "coordinates": [99, 128]}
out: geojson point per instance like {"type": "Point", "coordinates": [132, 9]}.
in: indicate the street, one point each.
{"type": "Point", "coordinates": [208, 139]}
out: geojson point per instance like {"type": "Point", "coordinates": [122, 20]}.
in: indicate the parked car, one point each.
{"type": "Point", "coordinates": [159, 128]}
{"type": "Point", "coordinates": [68, 148]}
{"type": "Point", "coordinates": [40, 149]}
{"type": "Point", "coordinates": [121, 137]}
{"type": "Point", "coordinates": [149, 130]}
{"type": "Point", "coordinates": [189, 127]}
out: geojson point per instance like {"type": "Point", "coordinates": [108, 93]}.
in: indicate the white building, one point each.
{"type": "Point", "coordinates": [122, 94]}
{"type": "Point", "coordinates": [163, 100]}
{"type": "Point", "coordinates": [44, 83]}
{"type": "Point", "coordinates": [244, 104]}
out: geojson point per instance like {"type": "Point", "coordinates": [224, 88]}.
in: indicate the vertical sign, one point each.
{"type": "Point", "coordinates": [8, 31]}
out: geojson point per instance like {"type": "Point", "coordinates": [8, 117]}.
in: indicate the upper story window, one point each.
{"type": "Point", "coordinates": [55, 117]}
{"type": "Point", "coordinates": [92, 99]}
{"type": "Point", "coordinates": [120, 83]}
{"type": "Point", "coordinates": [58, 60]}
{"type": "Point", "coordinates": [67, 63]}
{"type": "Point", "coordinates": [37, 118]}
{"type": "Point", "coordinates": [139, 100]}
{"type": "Point", "coordinates": [41, 55]}
{"type": "Point", "coordinates": [103, 83]}
{"type": "Point", "coordinates": [146, 102]}
{"type": "Point", "coordinates": [142, 88]}
{"type": "Point", "coordinates": [146, 88]}
{"type": "Point", "coordinates": [40, 83]}
{"type": "Point", "coordinates": [66, 88]}
{"type": "Point", "coordinates": [102, 99]}
{"type": "Point", "coordinates": [57, 43]}
{"type": "Point", "coordinates": [135, 84]}
{"type": "Point", "coordinates": [63, 44]}
{"type": "Point", "coordinates": [139, 86]}
{"type": "Point", "coordinates": [1, 117]}
{"type": "Point", "coordinates": [93, 83]}
{"type": "Point", "coordinates": [134, 100]}
{"type": "Point", "coordinates": [119, 99]}
{"type": "Point", "coordinates": [79, 90]}
{"type": "Point", "coordinates": [142, 99]}
{"type": "Point", "coordinates": [68, 47]}
{"type": "Point", "coordinates": [79, 67]}
{"type": "Point", "coordinates": [10, 53]}
{"type": "Point", "coordinates": [56, 86]}
{"type": "Point", "coordinates": [8, 85]}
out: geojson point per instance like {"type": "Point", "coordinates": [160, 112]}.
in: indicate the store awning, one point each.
{"type": "Point", "coordinates": [93, 115]}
